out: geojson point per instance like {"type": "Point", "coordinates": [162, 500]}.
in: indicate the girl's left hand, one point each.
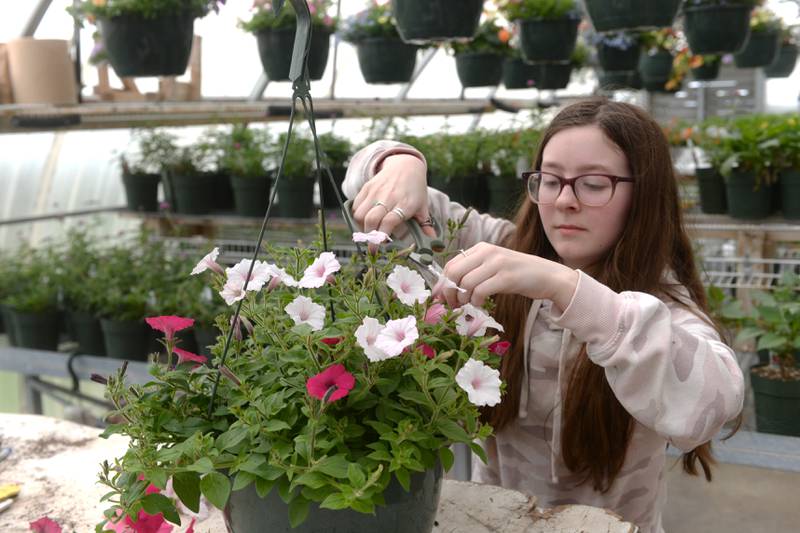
{"type": "Point", "coordinates": [486, 269]}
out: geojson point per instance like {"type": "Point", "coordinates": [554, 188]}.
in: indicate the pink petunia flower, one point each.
{"type": "Point", "coordinates": [396, 335]}
{"type": "Point", "coordinates": [473, 321]}
{"type": "Point", "coordinates": [481, 383]}
{"type": "Point", "coordinates": [279, 276]}
{"type": "Point", "coordinates": [317, 273]}
{"type": "Point", "coordinates": [408, 286]}
{"type": "Point", "coordinates": [184, 356]}
{"type": "Point", "coordinates": [233, 290]}
{"type": "Point", "coordinates": [45, 525]}
{"type": "Point", "coordinates": [499, 347]}
{"type": "Point", "coordinates": [334, 376]}
{"type": "Point", "coordinates": [434, 314]}
{"type": "Point", "coordinates": [208, 262]}
{"type": "Point", "coordinates": [366, 335]}
{"type": "Point", "coordinates": [303, 310]}
{"type": "Point", "coordinates": [168, 325]}
{"type": "Point", "coordinates": [428, 350]}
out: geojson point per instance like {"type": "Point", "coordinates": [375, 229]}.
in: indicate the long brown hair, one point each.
{"type": "Point", "coordinates": [596, 427]}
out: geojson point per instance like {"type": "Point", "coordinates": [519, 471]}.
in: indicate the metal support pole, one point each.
{"type": "Point", "coordinates": [426, 59]}
{"type": "Point", "coordinates": [259, 88]}
{"type": "Point", "coordinates": [332, 91]}
{"type": "Point", "coordinates": [36, 18]}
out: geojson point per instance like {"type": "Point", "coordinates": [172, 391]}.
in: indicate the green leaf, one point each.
{"type": "Point", "coordinates": [284, 490]}
{"type": "Point", "coordinates": [158, 503]}
{"type": "Point", "coordinates": [404, 478]}
{"type": "Point", "coordinates": [202, 465]}
{"type": "Point", "coordinates": [415, 396]}
{"type": "Point", "coordinates": [447, 458]}
{"type": "Point", "coordinates": [112, 429]}
{"type": "Point", "coordinates": [216, 487]}
{"type": "Point", "coordinates": [187, 487]}
{"type": "Point", "coordinates": [242, 480]}
{"type": "Point", "coordinates": [478, 450]}
{"type": "Point", "coordinates": [748, 333]}
{"type": "Point", "coordinates": [796, 343]}
{"type": "Point", "coordinates": [275, 425]}
{"type": "Point", "coordinates": [231, 438]}
{"type": "Point", "coordinates": [157, 478]}
{"type": "Point", "coordinates": [298, 511]}
{"type": "Point", "coordinates": [453, 431]}
{"type": "Point", "coordinates": [356, 475]}
{"type": "Point", "coordinates": [254, 464]}
{"type": "Point", "coordinates": [771, 341]}
{"type": "Point", "coordinates": [334, 501]}
{"type": "Point", "coordinates": [363, 506]}
{"type": "Point", "coordinates": [315, 480]}
{"type": "Point", "coordinates": [335, 466]}
{"type": "Point", "coordinates": [264, 486]}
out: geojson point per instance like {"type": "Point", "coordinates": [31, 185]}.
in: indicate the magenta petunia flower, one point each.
{"type": "Point", "coordinates": [333, 376]}
{"type": "Point", "coordinates": [331, 341]}
{"type": "Point", "coordinates": [45, 525]}
{"type": "Point", "coordinates": [499, 347]}
{"type": "Point", "coordinates": [184, 356]}
{"type": "Point", "coordinates": [426, 349]}
{"type": "Point", "coordinates": [169, 324]}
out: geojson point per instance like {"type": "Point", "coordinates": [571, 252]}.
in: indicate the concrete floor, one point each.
{"type": "Point", "coordinates": [740, 499]}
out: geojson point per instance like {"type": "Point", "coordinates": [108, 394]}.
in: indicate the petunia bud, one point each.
{"type": "Point", "coordinates": [434, 314]}
{"type": "Point", "coordinates": [230, 375]}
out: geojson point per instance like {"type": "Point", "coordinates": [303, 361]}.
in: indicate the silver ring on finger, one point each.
{"type": "Point", "coordinates": [399, 212]}
{"type": "Point", "coordinates": [383, 205]}
{"type": "Point", "coordinates": [427, 222]}
{"type": "Point", "coordinates": [462, 252]}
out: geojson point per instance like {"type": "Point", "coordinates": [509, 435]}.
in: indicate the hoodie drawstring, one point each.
{"type": "Point", "coordinates": [523, 399]}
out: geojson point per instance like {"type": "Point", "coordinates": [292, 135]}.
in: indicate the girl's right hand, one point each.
{"type": "Point", "coordinates": [401, 183]}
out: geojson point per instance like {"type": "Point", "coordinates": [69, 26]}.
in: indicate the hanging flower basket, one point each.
{"type": "Point", "coordinates": [620, 80]}
{"type": "Point", "coordinates": [517, 74]}
{"type": "Point", "coordinates": [275, 50]}
{"type": "Point", "coordinates": [717, 29]}
{"type": "Point", "coordinates": [708, 71]}
{"type": "Point", "coordinates": [479, 69]}
{"type": "Point", "coordinates": [622, 56]}
{"type": "Point", "coordinates": [608, 15]}
{"type": "Point", "coordinates": [420, 21]}
{"type": "Point", "coordinates": [548, 40]}
{"type": "Point", "coordinates": [552, 76]}
{"type": "Point", "coordinates": [138, 46]}
{"type": "Point", "coordinates": [655, 70]}
{"type": "Point", "coordinates": [760, 50]}
{"type": "Point", "coordinates": [386, 60]}
{"type": "Point", "coordinates": [784, 63]}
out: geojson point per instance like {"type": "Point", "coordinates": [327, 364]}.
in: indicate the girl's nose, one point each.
{"type": "Point", "coordinates": [567, 199]}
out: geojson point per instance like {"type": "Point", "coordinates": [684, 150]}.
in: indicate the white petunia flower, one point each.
{"type": "Point", "coordinates": [281, 275]}
{"type": "Point", "coordinates": [260, 275]}
{"type": "Point", "coordinates": [323, 266]}
{"type": "Point", "coordinates": [472, 321]}
{"type": "Point", "coordinates": [366, 335]}
{"type": "Point", "coordinates": [233, 290]}
{"type": "Point", "coordinates": [481, 383]}
{"type": "Point", "coordinates": [397, 335]}
{"type": "Point", "coordinates": [303, 310]}
{"type": "Point", "coordinates": [408, 285]}
{"type": "Point", "coordinates": [208, 262]}
{"type": "Point", "coordinates": [373, 237]}
{"type": "Point", "coordinates": [446, 282]}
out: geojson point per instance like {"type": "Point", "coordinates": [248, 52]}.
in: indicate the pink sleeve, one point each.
{"type": "Point", "coordinates": [666, 365]}
{"type": "Point", "coordinates": [478, 227]}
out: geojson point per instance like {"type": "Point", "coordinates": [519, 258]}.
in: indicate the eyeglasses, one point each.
{"type": "Point", "coordinates": [592, 190]}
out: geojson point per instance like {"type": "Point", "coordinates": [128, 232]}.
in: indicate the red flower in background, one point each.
{"type": "Point", "coordinates": [499, 347]}
{"type": "Point", "coordinates": [169, 324]}
{"type": "Point", "coordinates": [333, 376]}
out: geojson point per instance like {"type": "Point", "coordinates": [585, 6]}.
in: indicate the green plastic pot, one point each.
{"type": "Point", "coordinates": [478, 69]}
{"type": "Point", "coordinates": [707, 71]}
{"type": "Point", "coordinates": [126, 339]}
{"type": "Point", "coordinates": [548, 40]}
{"type": "Point", "coordinates": [790, 194]}
{"type": "Point", "coordinates": [505, 195]}
{"type": "Point", "coordinates": [275, 50]}
{"type": "Point", "coordinates": [38, 331]}
{"type": "Point", "coordinates": [205, 337]}
{"type": "Point", "coordinates": [295, 197]}
{"type": "Point", "coordinates": [517, 74]}
{"type": "Point", "coordinates": [10, 324]}
{"type": "Point", "coordinates": [784, 63]}
{"type": "Point", "coordinates": [608, 15]}
{"type": "Point", "coordinates": [385, 61]}
{"type": "Point", "coordinates": [745, 200]}
{"type": "Point", "coordinates": [716, 29]}
{"type": "Point", "coordinates": [761, 50]}
{"type": "Point", "coordinates": [139, 46]}
{"type": "Point", "coordinates": [193, 194]}
{"type": "Point", "coordinates": [655, 70]}
{"type": "Point", "coordinates": [251, 195]}
{"type": "Point", "coordinates": [87, 332]}
{"type": "Point", "coordinates": [613, 59]}
{"type": "Point", "coordinates": [328, 196]}
{"type": "Point", "coordinates": [403, 512]}
{"type": "Point", "coordinates": [620, 80]}
{"type": "Point", "coordinates": [420, 21]}
{"type": "Point", "coordinates": [141, 191]}
{"type": "Point", "coordinates": [777, 404]}
{"type": "Point", "coordinates": [713, 200]}
{"type": "Point", "coordinates": [552, 76]}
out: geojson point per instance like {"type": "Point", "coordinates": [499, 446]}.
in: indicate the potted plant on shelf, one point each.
{"type": "Point", "coordinates": [7, 270]}
{"type": "Point", "coordinates": [717, 26]}
{"type": "Point", "coordinates": [382, 56]}
{"type": "Point", "coordinates": [479, 62]}
{"type": "Point", "coordinates": [275, 36]}
{"type": "Point", "coordinates": [761, 48]}
{"type": "Point", "coordinates": [702, 140]}
{"type": "Point", "coordinates": [192, 178]}
{"type": "Point", "coordinates": [296, 186]}
{"type": "Point", "coordinates": [656, 63]}
{"type": "Point", "coordinates": [244, 160]}
{"type": "Point", "coordinates": [611, 15]}
{"type": "Point", "coordinates": [337, 152]}
{"type": "Point", "coordinates": [552, 76]}
{"type": "Point", "coordinates": [548, 29]}
{"type": "Point", "coordinates": [508, 155]}
{"type": "Point", "coordinates": [342, 401]}
{"type": "Point", "coordinates": [146, 37]}
{"type": "Point", "coordinates": [143, 165]}
{"type": "Point", "coordinates": [422, 21]}
{"type": "Point", "coordinates": [786, 60]}
{"type": "Point", "coordinates": [786, 157]}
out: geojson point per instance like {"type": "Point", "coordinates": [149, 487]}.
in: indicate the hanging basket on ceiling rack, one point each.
{"type": "Point", "coordinates": [421, 21]}
{"type": "Point", "coordinates": [760, 50]}
{"type": "Point", "coordinates": [716, 29]}
{"type": "Point", "coordinates": [275, 50]}
{"type": "Point", "coordinates": [784, 63]}
{"type": "Point", "coordinates": [609, 15]}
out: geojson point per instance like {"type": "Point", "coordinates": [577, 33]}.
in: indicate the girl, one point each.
{"type": "Point", "coordinates": [613, 356]}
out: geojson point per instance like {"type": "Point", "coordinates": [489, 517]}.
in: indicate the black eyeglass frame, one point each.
{"type": "Point", "coordinates": [563, 182]}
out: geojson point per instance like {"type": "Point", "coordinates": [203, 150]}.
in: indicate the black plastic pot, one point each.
{"type": "Point", "coordinates": [517, 74]}
{"type": "Point", "coordinates": [386, 60]}
{"type": "Point", "coordinates": [551, 76]}
{"type": "Point", "coordinates": [610, 15]}
{"type": "Point", "coordinates": [777, 404]}
{"type": "Point", "coordinates": [548, 40]}
{"type": "Point", "coordinates": [760, 50]}
{"type": "Point", "coordinates": [707, 71]}
{"type": "Point", "coordinates": [404, 512]}
{"type": "Point", "coordinates": [328, 197]}
{"type": "Point", "coordinates": [479, 69]}
{"type": "Point", "coordinates": [295, 197]}
{"type": "Point", "coordinates": [745, 200]}
{"type": "Point", "coordinates": [717, 29]}
{"type": "Point", "coordinates": [613, 59]}
{"type": "Point", "coordinates": [655, 70]}
{"type": "Point", "coordinates": [461, 189]}
{"type": "Point", "coordinates": [10, 324]}
{"type": "Point", "coordinates": [38, 331]}
{"type": "Point", "coordinates": [205, 337]}
{"type": "Point", "coordinates": [275, 50]}
{"type": "Point", "coordinates": [436, 20]}
{"type": "Point", "coordinates": [713, 200]}
{"type": "Point", "coordinates": [784, 63]}
{"type": "Point", "coordinates": [138, 46]}
{"type": "Point", "coordinates": [223, 192]}
{"type": "Point", "coordinates": [790, 194]}
{"type": "Point", "coordinates": [128, 339]}
{"type": "Point", "coordinates": [251, 195]}
{"type": "Point", "coordinates": [87, 332]}
{"type": "Point", "coordinates": [193, 195]}
{"type": "Point", "coordinates": [141, 191]}
{"type": "Point", "coordinates": [620, 80]}
{"type": "Point", "coordinates": [505, 194]}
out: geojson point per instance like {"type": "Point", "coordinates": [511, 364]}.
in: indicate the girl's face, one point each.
{"type": "Point", "coordinates": [581, 235]}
